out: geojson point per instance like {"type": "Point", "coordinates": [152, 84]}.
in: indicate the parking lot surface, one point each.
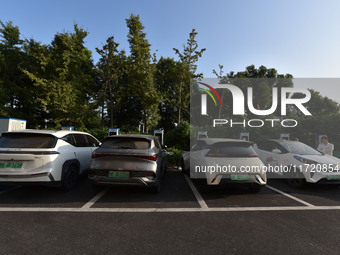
{"type": "Point", "coordinates": [185, 218]}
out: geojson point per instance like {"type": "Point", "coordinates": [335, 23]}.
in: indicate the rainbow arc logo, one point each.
{"type": "Point", "coordinates": [209, 93]}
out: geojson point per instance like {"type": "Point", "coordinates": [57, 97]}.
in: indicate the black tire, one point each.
{"type": "Point", "coordinates": [255, 188]}
{"type": "Point", "coordinates": [95, 186]}
{"type": "Point", "coordinates": [296, 182]}
{"type": "Point", "coordinates": [70, 178]}
{"type": "Point", "coordinates": [185, 171]}
{"type": "Point", "coordinates": [165, 168]}
{"type": "Point", "coordinates": [203, 185]}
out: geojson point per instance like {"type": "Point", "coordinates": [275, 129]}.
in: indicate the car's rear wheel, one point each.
{"type": "Point", "coordinates": [296, 182]}
{"type": "Point", "coordinates": [183, 167]}
{"type": "Point", "coordinates": [95, 186]}
{"type": "Point", "coordinates": [255, 188]}
{"type": "Point", "coordinates": [70, 178]}
{"type": "Point", "coordinates": [157, 188]}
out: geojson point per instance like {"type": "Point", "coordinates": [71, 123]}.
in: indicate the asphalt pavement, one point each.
{"type": "Point", "coordinates": [185, 218]}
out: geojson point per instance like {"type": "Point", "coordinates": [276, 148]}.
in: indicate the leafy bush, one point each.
{"type": "Point", "coordinates": [174, 157]}
{"type": "Point", "coordinates": [99, 133]}
{"type": "Point", "coordinates": [178, 137]}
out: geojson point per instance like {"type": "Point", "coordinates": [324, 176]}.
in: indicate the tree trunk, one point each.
{"type": "Point", "coordinates": [111, 116]}
{"type": "Point", "coordinates": [179, 115]}
{"type": "Point", "coordinates": [102, 121]}
{"type": "Point", "coordinates": [111, 106]}
{"type": "Point", "coordinates": [180, 105]}
{"type": "Point", "coordinates": [146, 126]}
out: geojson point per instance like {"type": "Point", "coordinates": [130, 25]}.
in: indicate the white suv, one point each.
{"type": "Point", "coordinates": [45, 156]}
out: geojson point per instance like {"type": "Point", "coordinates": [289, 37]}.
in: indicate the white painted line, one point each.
{"type": "Point", "coordinates": [165, 210]}
{"type": "Point", "coordinates": [95, 199]}
{"type": "Point", "coordinates": [198, 196]}
{"type": "Point", "coordinates": [290, 196]}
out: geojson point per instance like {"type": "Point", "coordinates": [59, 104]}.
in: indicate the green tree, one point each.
{"type": "Point", "coordinates": [141, 73]}
{"type": "Point", "coordinates": [11, 57]}
{"type": "Point", "coordinates": [171, 80]}
{"type": "Point", "coordinates": [191, 54]}
{"type": "Point", "coordinates": [65, 80]}
{"type": "Point", "coordinates": [188, 57]}
{"type": "Point", "coordinates": [111, 70]}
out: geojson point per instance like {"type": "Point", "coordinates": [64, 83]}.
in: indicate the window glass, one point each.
{"type": "Point", "coordinates": [130, 143]}
{"type": "Point", "coordinates": [69, 139]}
{"type": "Point", "coordinates": [27, 140]}
{"type": "Point", "coordinates": [267, 145]}
{"type": "Point", "coordinates": [92, 141]}
{"type": "Point", "coordinates": [270, 146]}
{"type": "Point", "coordinates": [231, 149]}
{"type": "Point", "coordinates": [158, 145]}
{"type": "Point", "coordinates": [299, 148]}
{"type": "Point", "coordinates": [198, 145]}
{"type": "Point", "coordinates": [80, 140]}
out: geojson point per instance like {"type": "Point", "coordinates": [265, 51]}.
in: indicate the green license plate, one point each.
{"type": "Point", "coordinates": [11, 164]}
{"type": "Point", "coordinates": [333, 178]}
{"type": "Point", "coordinates": [239, 177]}
{"type": "Point", "coordinates": [119, 174]}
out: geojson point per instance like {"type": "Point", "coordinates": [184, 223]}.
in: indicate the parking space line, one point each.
{"type": "Point", "coordinates": [94, 199]}
{"type": "Point", "coordinates": [166, 210]}
{"type": "Point", "coordinates": [290, 196]}
{"type": "Point", "coordinates": [198, 196]}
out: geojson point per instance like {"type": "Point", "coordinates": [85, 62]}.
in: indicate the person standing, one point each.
{"type": "Point", "coordinates": [325, 147]}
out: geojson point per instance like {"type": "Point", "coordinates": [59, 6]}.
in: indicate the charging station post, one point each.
{"type": "Point", "coordinates": [113, 131]}
{"type": "Point", "coordinates": [283, 136]}
{"type": "Point", "coordinates": [243, 136]}
{"type": "Point", "coordinates": [69, 128]}
{"type": "Point", "coordinates": [202, 134]}
{"type": "Point", "coordinates": [160, 134]}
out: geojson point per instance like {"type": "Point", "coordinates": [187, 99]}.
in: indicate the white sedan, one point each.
{"type": "Point", "coordinates": [220, 160]}
{"type": "Point", "coordinates": [47, 157]}
{"type": "Point", "coordinates": [297, 162]}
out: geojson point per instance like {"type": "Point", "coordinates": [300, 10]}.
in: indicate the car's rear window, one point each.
{"type": "Point", "coordinates": [126, 143]}
{"type": "Point", "coordinates": [231, 149]}
{"type": "Point", "coordinates": [27, 140]}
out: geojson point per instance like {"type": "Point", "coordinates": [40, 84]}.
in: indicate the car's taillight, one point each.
{"type": "Point", "coordinates": [95, 155]}
{"type": "Point", "coordinates": [153, 158]}
{"type": "Point", "coordinates": [149, 172]}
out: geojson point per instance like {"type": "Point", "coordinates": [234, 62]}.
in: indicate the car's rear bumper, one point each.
{"type": "Point", "coordinates": [136, 181]}
{"type": "Point", "coordinates": [44, 177]}
{"type": "Point", "coordinates": [227, 178]}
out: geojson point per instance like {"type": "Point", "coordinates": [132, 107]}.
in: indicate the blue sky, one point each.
{"type": "Point", "coordinates": [297, 37]}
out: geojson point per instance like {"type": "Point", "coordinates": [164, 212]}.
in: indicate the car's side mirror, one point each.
{"type": "Point", "coordinates": [277, 151]}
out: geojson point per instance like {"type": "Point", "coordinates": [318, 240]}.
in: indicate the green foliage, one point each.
{"type": "Point", "coordinates": [172, 79]}
{"type": "Point", "coordinates": [57, 84]}
{"type": "Point", "coordinates": [178, 137]}
{"type": "Point", "coordinates": [141, 73]}
{"type": "Point", "coordinates": [63, 77]}
{"type": "Point", "coordinates": [99, 133]}
{"type": "Point", "coordinates": [188, 59]}
{"type": "Point", "coordinates": [174, 157]}
{"type": "Point", "coordinates": [111, 70]}
{"type": "Point", "coordinates": [191, 54]}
